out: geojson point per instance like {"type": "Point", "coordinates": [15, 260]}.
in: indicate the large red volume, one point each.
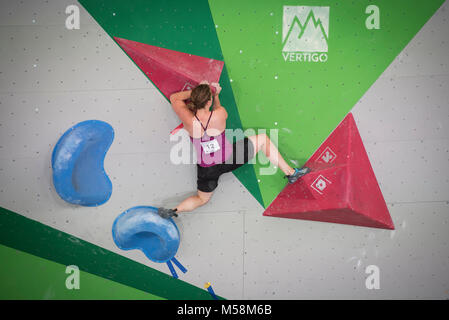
{"type": "Point", "coordinates": [171, 71]}
{"type": "Point", "coordinates": [341, 188]}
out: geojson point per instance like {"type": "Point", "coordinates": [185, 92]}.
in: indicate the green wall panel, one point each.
{"type": "Point", "coordinates": [40, 240]}
{"type": "Point", "coordinates": [25, 276]}
{"type": "Point", "coordinates": [304, 100]}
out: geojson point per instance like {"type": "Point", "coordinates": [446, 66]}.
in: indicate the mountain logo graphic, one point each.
{"type": "Point", "coordinates": [305, 29]}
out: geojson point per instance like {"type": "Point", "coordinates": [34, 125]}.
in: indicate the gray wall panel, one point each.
{"type": "Point", "coordinates": [38, 12]}
{"type": "Point", "coordinates": [52, 58]}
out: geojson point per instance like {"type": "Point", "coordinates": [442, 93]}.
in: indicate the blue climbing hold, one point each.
{"type": "Point", "coordinates": [78, 163]}
{"type": "Point", "coordinates": [142, 228]}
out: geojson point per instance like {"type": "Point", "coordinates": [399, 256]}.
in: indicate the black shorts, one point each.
{"type": "Point", "coordinates": [242, 152]}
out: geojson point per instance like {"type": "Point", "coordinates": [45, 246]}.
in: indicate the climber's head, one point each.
{"type": "Point", "coordinates": [200, 97]}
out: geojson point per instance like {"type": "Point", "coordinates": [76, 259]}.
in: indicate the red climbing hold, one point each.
{"type": "Point", "coordinates": [341, 188]}
{"type": "Point", "coordinates": [171, 71]}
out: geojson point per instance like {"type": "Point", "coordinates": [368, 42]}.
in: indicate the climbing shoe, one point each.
{"type": "Point", "coordinates": [167, 213]}
{"type": "Point", "coordinates": [297, 174]}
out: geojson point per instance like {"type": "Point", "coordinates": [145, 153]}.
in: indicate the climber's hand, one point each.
{"type": "Point", "coordinates": [216, 86]}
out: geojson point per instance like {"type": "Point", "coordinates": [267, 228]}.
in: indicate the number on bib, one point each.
{"type": "Point", "coordinates": [210, 146]}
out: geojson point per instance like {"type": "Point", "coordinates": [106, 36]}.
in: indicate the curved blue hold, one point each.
{"type": "Point", "coordinates": [142, 228]}
{"type": "Point", "coordinates": [78, 163]}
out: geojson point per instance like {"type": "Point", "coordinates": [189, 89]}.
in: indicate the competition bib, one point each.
{"type": "Point", "coordinates": [210, 146]}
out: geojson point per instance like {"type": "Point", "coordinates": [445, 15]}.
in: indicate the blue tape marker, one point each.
{"type": "Point", "coordinates": [179, 265]}
{"type": "Point", "coordinates": [211, 291]}
{"type": "Point", "coordinates": [172, 270]}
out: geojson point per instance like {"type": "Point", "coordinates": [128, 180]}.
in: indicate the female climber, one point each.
{"type": "Point", "coordinates": [216, 155]}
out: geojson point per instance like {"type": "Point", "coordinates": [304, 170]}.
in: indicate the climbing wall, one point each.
{"type": "Point", "coordinates": [305, 98]}
{"type": "Point", "coordinates": [394, 81]}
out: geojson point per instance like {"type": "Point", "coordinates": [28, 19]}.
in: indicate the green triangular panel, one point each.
{"type": "Point", "coordinates": [184, 26]}
{"type": "Point", "coordinates": [35, 238]}
{"type": "Point", "coordinates": [306, 100]}
{"type": "Point", "coordinates": [25, 276]}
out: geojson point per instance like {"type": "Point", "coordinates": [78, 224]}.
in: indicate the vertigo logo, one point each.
{"type": "Point", "coordinates": [305, 33]}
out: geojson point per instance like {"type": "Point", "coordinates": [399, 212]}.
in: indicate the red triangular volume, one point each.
{"type": "Point", "coordinates": [341, 188]}
{"type": "Point", "coordinates": [169, 70]}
